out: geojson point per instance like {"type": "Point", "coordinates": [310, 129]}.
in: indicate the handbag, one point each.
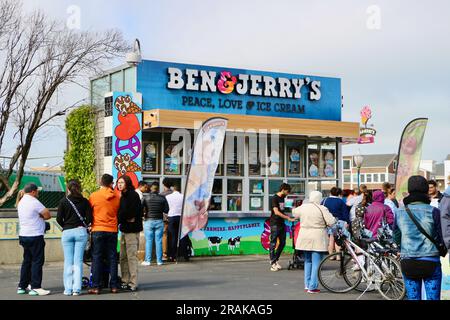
{"type": "Point", "coordinates": [440, 246]}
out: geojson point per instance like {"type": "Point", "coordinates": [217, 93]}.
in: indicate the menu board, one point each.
{"type": "Point", "coordinates": [150, 161]}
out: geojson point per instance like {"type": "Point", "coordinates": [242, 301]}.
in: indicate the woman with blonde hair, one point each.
{"type": "Point", "coordinates": [313, 237]}
{"type": "Point", "coordinates": [20, 195]}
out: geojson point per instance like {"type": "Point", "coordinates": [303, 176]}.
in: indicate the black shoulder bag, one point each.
{"type": "Point", "coordinates": [420, 269]}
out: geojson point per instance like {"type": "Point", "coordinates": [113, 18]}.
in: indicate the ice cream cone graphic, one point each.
{"type": "Point", "coordinates": [133, 167]}
{"type": "Point", "coordinates": [366, 114]}
{"type": "Point", "coordinates": [133, 108]}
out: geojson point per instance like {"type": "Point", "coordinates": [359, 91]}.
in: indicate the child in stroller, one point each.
{"type": "Point", "coordinates": [298, 260]}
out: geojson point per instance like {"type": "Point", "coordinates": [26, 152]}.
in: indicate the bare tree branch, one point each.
{"type": "Point", "coordinates": [41, 56]}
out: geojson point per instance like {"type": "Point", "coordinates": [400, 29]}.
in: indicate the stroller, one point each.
{"type": "Point", "coordinates": [87, 260]}
{"type": "Point", "coordinates": [298, 261]}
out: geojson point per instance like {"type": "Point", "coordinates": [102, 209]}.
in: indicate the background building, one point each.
{"type": "Point", "coordinates": [375, 169]}
{"type": "Point", "coordinates": [438, 171]}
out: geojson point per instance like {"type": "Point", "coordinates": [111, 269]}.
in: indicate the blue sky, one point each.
{"type": "Point", "coordinates": [401, 70]}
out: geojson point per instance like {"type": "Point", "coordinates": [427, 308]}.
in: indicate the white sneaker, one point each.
{"type": "Point", "coordinates": [274, 267]}
{"type": "Point", "coordinates": [39, 292]}
{"type": "Point", "coordinates": [145, 263]}
{"type": "Point", "coordinates": [278, 266]}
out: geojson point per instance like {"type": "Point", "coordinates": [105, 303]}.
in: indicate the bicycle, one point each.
{"type": "Point", "coordinates": [379, 271]}
{"type": "Point", "coordinates": [384, 245]}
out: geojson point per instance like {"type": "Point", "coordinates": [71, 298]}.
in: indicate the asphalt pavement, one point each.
{"type": "Point", "coordinates": [203, 278]}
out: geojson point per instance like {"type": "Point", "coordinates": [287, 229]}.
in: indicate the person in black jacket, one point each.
{"type": "Point", "coordinates": [155, 205]}
{"type": "Point", "coordinates": [74, 216]}
{"type": "Point", "coordinates": [130, 224]}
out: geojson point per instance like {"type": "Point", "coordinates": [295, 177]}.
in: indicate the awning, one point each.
{"type": "Point", "coordinates": [161, 118]}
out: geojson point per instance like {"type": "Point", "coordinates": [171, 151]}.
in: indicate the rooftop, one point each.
{"type": "Point", "coordinates": [377, 160]}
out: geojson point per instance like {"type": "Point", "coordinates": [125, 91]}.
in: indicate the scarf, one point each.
{"type": "Point", "coordinates": [416, 197]}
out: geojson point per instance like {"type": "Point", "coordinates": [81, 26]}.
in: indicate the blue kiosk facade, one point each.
{"type": "Point", "coordinates": [282, 128]}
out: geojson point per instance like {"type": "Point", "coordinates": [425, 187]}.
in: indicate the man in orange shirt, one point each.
{"type": "Point", "coordinates": [105, 206]}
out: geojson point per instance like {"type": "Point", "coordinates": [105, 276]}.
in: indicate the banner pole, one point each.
{"type": "Point", "coordinates": [202, 129]}
{"type": "Point", "coordinates": [185, 188]}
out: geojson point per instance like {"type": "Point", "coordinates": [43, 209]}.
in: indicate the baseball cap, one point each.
{"type": "Point", "coordinates": [30, 187]}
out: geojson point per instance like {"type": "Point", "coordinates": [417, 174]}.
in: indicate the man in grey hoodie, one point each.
{"type": "Point", "coordinates": [444, 206]}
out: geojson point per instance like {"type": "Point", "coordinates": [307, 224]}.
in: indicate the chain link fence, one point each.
{"type": "Point", "coordinates": [50, 199]}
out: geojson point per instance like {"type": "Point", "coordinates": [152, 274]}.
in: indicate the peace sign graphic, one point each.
{"type": "Point", "coordinates": [132, 146]}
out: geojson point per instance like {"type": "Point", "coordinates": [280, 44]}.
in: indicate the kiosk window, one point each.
{"type": "Point", "coordinates": [328, 160]}
{"type": "Point", "coordinates": [313, 160]}
{"type": "Point", "coordinates": [297, 187]}
{"type": "Point", "coordinates": [256, 195]}
{"type": "Point", "coordinates": [172, 155]}
{"type": "Point", "coordinates": [295, 158]}
{"type": "Point", "coordinates": [274, 187]}
{"type": "Point", "coordinates": [234, 154]}
{"type": "Point", "coordinates": [322, 160]}
{"type": "Point", "coordinates": [275, 157]}
{"type": "Point", "coordinates": [255, 151]}
{"type": "Point", "coordinates": [216, 198]}
{"type": "Point", "coordinates": [150, 159]}
{"type": "Point", "coordinates": [234, 192]}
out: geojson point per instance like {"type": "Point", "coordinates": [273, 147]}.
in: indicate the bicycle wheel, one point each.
{"type": "Point", "coordinates": [332, 273]}
{"type": "Point", "coordinates": [356, 277]}
{"type": "Point", "coordinates": [392, 287]}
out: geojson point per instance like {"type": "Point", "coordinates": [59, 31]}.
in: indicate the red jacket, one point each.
{"type": "Point", "coordinates": [376, 212]}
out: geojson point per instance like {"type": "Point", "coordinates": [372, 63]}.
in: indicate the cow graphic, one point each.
{"type": "Point", "coordinates": [234, 243]}
{"type": "Point", "coordinates": [214, 241]}
{"type": "Point", "coordinates": [231, 244]}
{"type": "Point", "coordinates": [238, 241]}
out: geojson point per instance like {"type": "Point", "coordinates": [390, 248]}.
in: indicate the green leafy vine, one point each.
{"type": "Point", "coordinates": [79, 159]}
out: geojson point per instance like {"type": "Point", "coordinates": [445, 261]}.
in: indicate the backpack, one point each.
{"type": "Point", "coordinates": [358, 228]}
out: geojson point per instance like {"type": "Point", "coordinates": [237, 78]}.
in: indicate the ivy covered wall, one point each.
{"type": "Point", "coordinates": [79, 159]}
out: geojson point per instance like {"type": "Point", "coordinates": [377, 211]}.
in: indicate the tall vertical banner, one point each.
{"type": "Point", "coordinates": [199, 182]}
{"type": "Point", "coordinates": [409, 154]}
{"type": "Point", "coordinates": [126, 137]}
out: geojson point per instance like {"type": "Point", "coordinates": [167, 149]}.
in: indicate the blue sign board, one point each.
{"type": "Point", "coordinates": [187, 87]}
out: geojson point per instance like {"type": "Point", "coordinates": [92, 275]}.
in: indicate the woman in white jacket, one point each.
{"type": "Point", "coordinates": [313, 238]}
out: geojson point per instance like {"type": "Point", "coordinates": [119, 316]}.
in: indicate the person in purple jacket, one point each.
{"type": "Point", "coordinates": [339, 210]}
{"type": "Point", "coordinates": [376, 212]}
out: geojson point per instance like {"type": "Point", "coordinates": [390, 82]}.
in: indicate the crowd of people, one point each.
{"type": "Point", "coordinates": [420, 226]}
{"type": "Point", "coordinates": [108, 213]}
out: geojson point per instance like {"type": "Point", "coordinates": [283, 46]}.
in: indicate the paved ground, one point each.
{"type": "Point", "coordinates": [216, 278]}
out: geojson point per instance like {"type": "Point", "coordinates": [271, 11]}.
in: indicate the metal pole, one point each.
{"type": "Point", "coordinates": [359, 169]}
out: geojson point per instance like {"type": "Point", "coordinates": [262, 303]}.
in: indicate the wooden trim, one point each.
{"type": "Point", "coordinates": [186, 119]}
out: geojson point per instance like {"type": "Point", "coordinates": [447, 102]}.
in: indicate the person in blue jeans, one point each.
{"type": "Point", "coordinates": [155, 205]}
{"type": "Point", "coordinates": [312, 238]}
{"type": "Point", "coordinates": [32, 215]}
{"type": "Point", "coordinates": [74, 216]}
{"type": "Point", "coordinates": [420, 259]}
